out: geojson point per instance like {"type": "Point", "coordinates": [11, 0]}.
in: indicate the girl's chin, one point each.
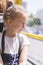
{"type": "Point", "coordinates": [19, 31]}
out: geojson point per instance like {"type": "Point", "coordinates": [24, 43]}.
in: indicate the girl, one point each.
{"type": "Point", "coordinates": [13, 44]}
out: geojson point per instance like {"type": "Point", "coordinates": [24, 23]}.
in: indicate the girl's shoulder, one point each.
{"type": "Point", "coordinates": [23, 36]}
{"type": "Point", "coordinates": [24, 39]}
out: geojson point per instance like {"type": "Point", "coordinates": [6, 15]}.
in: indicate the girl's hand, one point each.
{"type": "Point", "coordinates": [23, 55]}
{"type": "Point", "coordinates": [1, 62]}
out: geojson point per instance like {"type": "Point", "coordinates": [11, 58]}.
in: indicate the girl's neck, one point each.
{"type": "Point", "coordinates": [10, 33]}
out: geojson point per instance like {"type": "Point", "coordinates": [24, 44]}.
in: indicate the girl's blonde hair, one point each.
{"type": "Point", "coordinates": [14, 12]}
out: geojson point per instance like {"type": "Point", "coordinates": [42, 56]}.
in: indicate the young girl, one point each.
{"type": "Point", "coordinates": [13, 44]}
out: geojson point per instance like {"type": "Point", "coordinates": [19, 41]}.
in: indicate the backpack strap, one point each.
{"type": "Point", "coordinates": [2, 42]}
{"type": "Point", "coordinates": [19, 44]}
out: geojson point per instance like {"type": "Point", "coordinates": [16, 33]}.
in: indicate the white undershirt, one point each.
{"type": "Point", "coordinates": [12, 44]}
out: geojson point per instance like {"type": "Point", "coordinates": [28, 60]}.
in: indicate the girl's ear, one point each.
{"type": "Point", "coordinates": [9, 22]}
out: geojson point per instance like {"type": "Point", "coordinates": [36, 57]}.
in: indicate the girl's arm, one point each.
{"type": "Point", "coordinates": [24, 55]}
{"type": "Point", "coordinates": [1, 62]}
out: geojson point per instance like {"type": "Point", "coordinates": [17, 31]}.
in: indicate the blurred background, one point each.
{"type": "Point", "coordinates": [34, 8]}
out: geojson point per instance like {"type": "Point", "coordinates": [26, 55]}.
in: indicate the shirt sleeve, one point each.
{"type": "Point", "coordinates": [24, 40]}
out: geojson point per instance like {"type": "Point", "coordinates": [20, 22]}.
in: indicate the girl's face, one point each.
{"type": "Point", "coordinates": [17, 25]}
